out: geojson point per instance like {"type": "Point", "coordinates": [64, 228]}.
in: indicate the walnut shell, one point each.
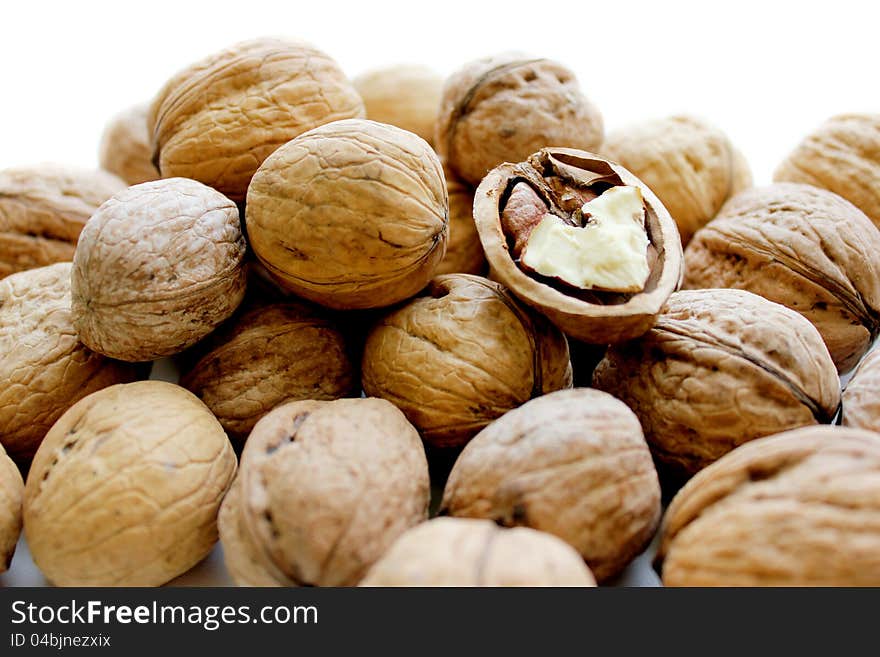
{"type": "Point", "coordinates": [125, 148]}
{"type": "Point", "coordinates": [217, 120]}
{"type": "Point", "coordinates": [803, 247]}
{"type": "Point", "coordinates": [861, 397]}
{"type": "Point", "coordinates": [405, 96]}
{"type": "Point", "coordinates": [374, 192]}
{"type": "Point", "coordinates": [467, 552]}
{"type": "Point", "coordinates": [11, 494]}
{"type": "Point", "coordinates": [689, 164]}
{"type": "Point", "coordinates": [157, 267]}
{"type": "Point", "coordinates": [719, 368]}
{"type": "Point", "coordinates": [594, 317]}
{"type": "Point", "coordinates": [843, 156]}
{"type": "Point", "coordinates": [269, 355]}
{"type": "Point", "coordinates": [43, 210]}
{"type": "Point", "coordinates": [325, 488]}
{"type": "Point", "coordinates": [504, 108]}
{"type": "Point", "coordinates": [464, 253]}
{"type": "Point", "coordinates": [798, 509]}
{"type": "Point", "coordinates": [462, 355]}
{"type": "Point", "coordinates": [126, 486]}
{"type": "Point", "coordinates": [573, 463]}
{"type": "Point", "coordinates": [44, 368]}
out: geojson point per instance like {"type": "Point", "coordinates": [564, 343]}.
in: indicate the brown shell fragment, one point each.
{"type": "Point", "coordinates": [861, 397]}
{"type": "Point", "coordinates": [798, 509]}
{"type": "Point", "coordinates": [11, 494]}
{"type": "Point", "coordinates": [125, 149]}
{"type": "Point", "coordinates": [464, 253]}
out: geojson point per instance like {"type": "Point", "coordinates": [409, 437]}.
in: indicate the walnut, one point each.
{"type": "Point", "coordinates": [461, 355]}
{"type": "Point", "coordinates": [373, 192]}
{"type": "Point", "coordinates": [506, 107]}
{"type": "Point", "coordinates": [125, 147]}
{"type": "Point", "coordinates": [217, 120]}
{"type": "Point", "coordinates": [803, 247]}
{"type": "Point", "coordinates": [843, 156]}
{"type": "Point", "coordinates": [11, 493]}
{"type": "Point", "coordinates": [467, 552]}
{"type": "Point", "coordinates": [861, 397]}
{"type": "Point", "coordinates": [464, 253]}
{"type": "Point", "coordinates": [798, 509]}
{"type": "Point", "coordinates": [272, 354]}
{"type": "Point", "coordinates": [42, 211]}
{"type": "Point", "coordinates": [126, 486]}
{"type": "Point", "coordinates": [557, 185]}
{"type": "Point", "coordinates": [689, 164]}
{"type": "Point", "coordinates": [719, 368]}
{"type": "Point", "coordinates": [44, 368]}
{"type": "Point", "coordinates": [157, 267]}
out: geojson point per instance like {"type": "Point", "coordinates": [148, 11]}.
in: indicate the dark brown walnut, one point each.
{"type": "Point", "coordinates": [861, 397]}
{"type": "Point", "coordinates": [798, 509]}
{"type": "Point", "coordinates": [558, 181]}
{"type": "Point", "coordinates": [272, 354]}
{"type": "Point", "coordinates": [506, 107]}
{"type": "Point", "coordinates": [125, 149]}
{"type": "Point", "coordinates": [464, 253]}
{"type": "Point", "coordinates": [460, 355]}
{"type": "Point", "coordinates": [720, 368]}
{"type": "Point", "coordinates": [573, 463]}
{"type": "Point", "coordinates": [43, 210]}
{"type": "Point", "coordinates": [803, 247]}
{"type": "Point", "coordinates": [11, 494]}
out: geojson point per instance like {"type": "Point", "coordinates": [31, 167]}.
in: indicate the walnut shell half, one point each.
{"type": "Point", "coordinates": [861, 397]}
{"type": "Point", "coordinates": [125, 147]}
{"type": "Point", "coordinates": [11, 495]}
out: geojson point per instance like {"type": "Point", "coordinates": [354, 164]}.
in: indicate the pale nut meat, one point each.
{"type": "Point", "coordinates": [803, 247]}
{"type": "Point", "coordinates": [801, 508]}
{"type": "Point", "coordinates": [573, 463]}
{"type": "Point", "coordinates": [861, 397]}
{"type": "Point", "coordinates": [271, 354]}
{"type": "Point", "coordinates": [325, 488]}
{"type": "Point", "coordinates": [43, 210]}
{"type": "Point", "coordinates": [44, 368]}
{"type": "Point", "coordinates": [720, 368]}
{"type": "Point", "coordinates": [11, 495]}
{"type": "Point", "coordinates": [688, 163]}
{"type": "Point", "coordinates": [464, 253]}
{"type": "Point", "coordinates": [461, 355]}
{"type": "Point", "coordinates": [217, 120]}
{"type": "Point", "coordinates": [125, 148]}
{"type": "Point", "coordinates": [350, 215]}
{"type": "Point", "coordinates": [506, 107]}
{"type": "Point", "coordinates": [239, 554]}
{"type": "Point", "coordinates": [157, 268]}
{"type": "Point", "coordinates": [470, 552]}
{"type": "Point", "coordinates": [843, 156]}
{"type": "Point", "coordinates": [126, 487]}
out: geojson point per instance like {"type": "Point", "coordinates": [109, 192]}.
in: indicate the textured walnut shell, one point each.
{"type": "Point", "coordinates": [157, 267]}
{"type": "Point", "coordinates": [11, 494]}
{"type": "Point", "coordinates": [573, 463]}
{"type": "Point", "coordinates": [405, 96]}
{"type": "Point", "coordinates": [803, 247]}
{"type": "Point", "coordinates": [126, 486]}
{"type": "Point", "coordinates": [43, 210]}
{"type": "Point", "coordinates": [861, 397]}
{"type": "Point", "coordinates": [720, 368]}
{"type": "Point", "coordinates": [374, 192]}
{"type": "Point", "coordinates": [269, 355]}
{"type": "Point", "coordinates": [325, 488]}
{"type": "Point", "coordinates": [468, 552]}
{"type": "Point", "coordinates": [504, 108]}
{"type": "Point", "coordinates": [798, 509]}
{"type": "Point", "coordinates": [125, 149]}
{"type": "Point", "coordinates": [689, 164]}
{"type": "Point", "coordinates": [594, 317]}
{"type": "Point", "coordinates": [217, 120]}
{"type": "Point", "coordinates": [462, 355]}
{"type": "Point", "coordinates": [843, 156]}
{"type": "Point", "coordinates": [464, 253]}
{"type": "Point", "coordinates": [44, 368]}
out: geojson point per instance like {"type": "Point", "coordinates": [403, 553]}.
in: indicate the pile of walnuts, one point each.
{"type": "Point", "coordinates": [377, 289]}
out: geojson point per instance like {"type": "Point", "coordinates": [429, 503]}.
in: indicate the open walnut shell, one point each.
{"type": "Point", "coordinates": [563, 178]}
{"type": "Point", "coordinates": [11, 495]}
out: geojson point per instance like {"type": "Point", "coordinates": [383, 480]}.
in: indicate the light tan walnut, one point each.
{"type": "Point", "coordinates": [464, 253]}
{"type": "Point", "coordinates": [125, 149]}
{"type": "Point", "coordinates": [861, 397]}
{"type": "Point", "coordinates": [11, 495]}
{"type": "Point", "coordinates": [405, 96]}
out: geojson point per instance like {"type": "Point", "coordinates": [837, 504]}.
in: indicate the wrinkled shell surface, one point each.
{"type": "Point", "coordinates": [11, 494]}
{"type": "Point", "coordinates": [270, 355]}
{"type": "Point", "coordinates": [125, 489]}
{"type": "Point", "coordinates": [720, 368]}
{"type": "Point", "coordinates": [573, 463]}
{"type": "Point", "coordinates": [468, 552]}
{"type": "Point", "coordinates": [464, 253]}
{"type": "Point", "coordinates": [861, 397]}
{"type": "Point", "coordinates": [803, 247]}
{"type": "Point", "coordinates": [157, 267]}
{"type": "Point", "coordinates": [843, 156]}
{"type": "Point", "coordinates": [405, 96]}
{"type": "Point", "coordinates": [217, 120]}
{"type": "Point", "coordinates": [44, 368]}
{"type": "Point", "coordinates": [504, 108]}
{"type": "Point", "coordinates": [125, 148]}
{"type": "Point", "coordinates": [462, 355]}
{"type": "Point", "coordinates": [372, 192]}
{"type": "Point", "coordinates": [798, 509]}
{"type": "Point", "coordinates": [689, 164]}
{"type": "Point", "coordinates": [43, 210]}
